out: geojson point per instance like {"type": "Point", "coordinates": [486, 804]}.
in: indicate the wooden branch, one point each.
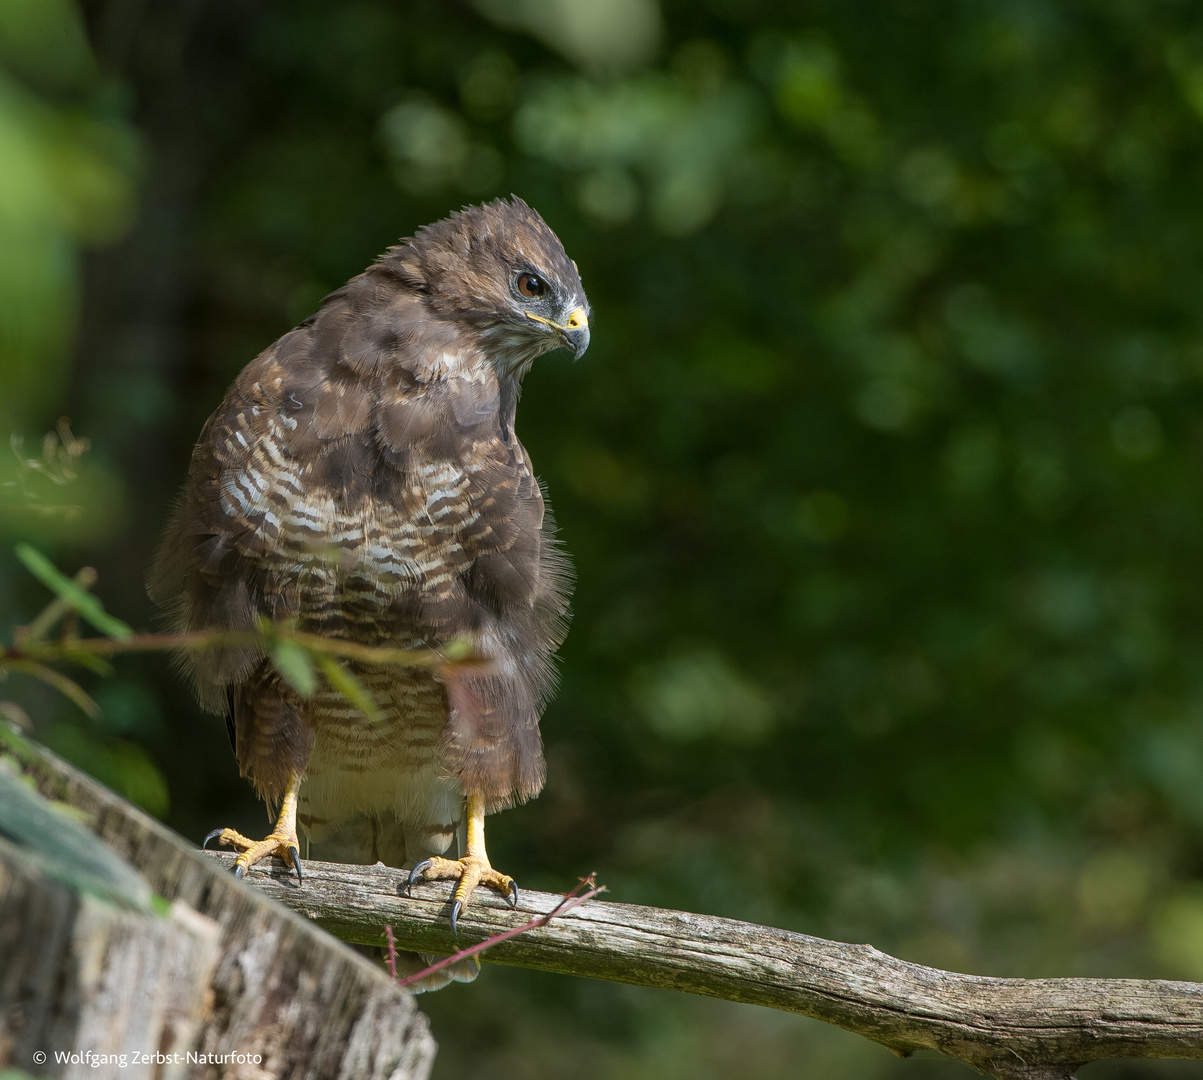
{"type": "Point", "coordinates": [1016, 1029]}
{"type": "Point", "coordinates": [1010, 1028]}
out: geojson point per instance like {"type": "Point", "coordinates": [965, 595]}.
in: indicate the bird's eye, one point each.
{"type": "Point", "coordinates": [530, 285]}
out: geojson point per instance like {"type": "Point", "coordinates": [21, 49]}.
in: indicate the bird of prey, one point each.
{"type": "Point", "coordinates": [363, 480]}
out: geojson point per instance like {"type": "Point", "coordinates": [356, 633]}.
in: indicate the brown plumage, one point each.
{"type": "Point", "coordinates": [363, 477]}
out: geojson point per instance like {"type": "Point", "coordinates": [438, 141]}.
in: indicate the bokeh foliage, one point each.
{"type": "Point", "coordinates": [881, 475]}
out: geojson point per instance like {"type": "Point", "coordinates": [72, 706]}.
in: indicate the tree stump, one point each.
{"type": "Point", "coordinates": [125, 953]}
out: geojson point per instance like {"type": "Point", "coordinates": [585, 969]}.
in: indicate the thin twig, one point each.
{"type": "Point", "coordinates": [74, 649]}
{"type": "Point", "coordinates": [392, 952]}
{"type": "Point", "coordinates": [571, 899]}
{"type": "Point", "coordinates": [294, 653]}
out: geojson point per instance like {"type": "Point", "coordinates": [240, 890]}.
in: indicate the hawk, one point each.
{"type": "Point", "coordinates": [362, 479]}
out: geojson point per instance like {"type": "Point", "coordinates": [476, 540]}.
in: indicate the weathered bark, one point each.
{"type": "Point", "coordinates": [177, 960]}
{"type": "Point", "coordinates": [1014, 1028]}
{"type": "Point", "coordinates": [82, 975]}
{"type": "Point", "coordinates": [1023, 1029]}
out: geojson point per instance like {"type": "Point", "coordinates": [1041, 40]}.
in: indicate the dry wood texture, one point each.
{"type": "Point", "coordinates": [1009, 1028]}
{"type": "Point", "coordinates": [92, 963]}
{"type": "Point", "coordinates": [93, 980]}
{"type": "Point", "coordinates": [1013, 1028]}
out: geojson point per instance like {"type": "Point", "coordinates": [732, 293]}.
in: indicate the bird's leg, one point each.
{"type": "Point", "coordinates": [281, 842]}
{"type": "Point", "coordinates": [472, 870]}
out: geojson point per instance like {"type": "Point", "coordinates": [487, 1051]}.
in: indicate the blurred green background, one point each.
{"type": "Point", "coordinates": [881, 475]}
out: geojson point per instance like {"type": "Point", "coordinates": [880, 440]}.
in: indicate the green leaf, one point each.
{"type": "Point", "coordinates": [296, 665]}
{"type": "Point", "coordinates": [80, 600]}
{"type": "Point", "coordinates": [94, 664]}
{"type": "Point", "coordinates": [347, 684]}
{"type": "Point", "coordinates": [51, 837]}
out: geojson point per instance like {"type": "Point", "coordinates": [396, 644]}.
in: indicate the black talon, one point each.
{"type": "Point", "coordinates": [456, 908]}
{"type": "Point", "coordinates": [295, 855]}
{"type": "Point", "coordinates": [238, 870]}
{"type": "Point", "coordinates": [512, 896]}
{"type": "Point", "coordinates": [213, 835]}
{"type": "Point", "coordinates": [416, 873]}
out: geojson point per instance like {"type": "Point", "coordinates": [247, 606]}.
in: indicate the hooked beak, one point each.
{"type": "Point", "coordinates": [574, 331]}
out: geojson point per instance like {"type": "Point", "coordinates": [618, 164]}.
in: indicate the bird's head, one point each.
{"type": "Point", "coordinates": [500, 268]}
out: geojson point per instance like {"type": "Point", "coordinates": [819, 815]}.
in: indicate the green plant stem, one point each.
{"type": "Point", "coordinates": [58, 608]}
{"type": "Point", "coordinates": [75, 649]}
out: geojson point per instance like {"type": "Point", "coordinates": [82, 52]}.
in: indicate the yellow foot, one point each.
{"type": "Point", "coordinates": [281, 842]}
{"type": "Point", "coordinates": [282, 845]}
{"type": "Point", "coordinates": [470, 871]}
